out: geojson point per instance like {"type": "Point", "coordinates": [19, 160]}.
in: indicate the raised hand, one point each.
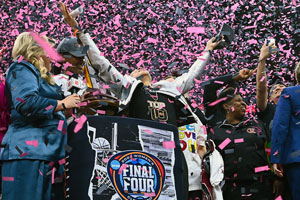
{"type": "Point", "coordinates": [210, 45]}
{"type": "Point", "coordinates": [264, 51]}
{"type": "Point", "coordinates": [67, 17]}
{"type": "Point", "coordinates": [244, 74]}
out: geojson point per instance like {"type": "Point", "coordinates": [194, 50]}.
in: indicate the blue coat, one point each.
{"type": "Point", "coordinates": [286, 128]}
{"type": "Point", "coordinates": [33, 132]}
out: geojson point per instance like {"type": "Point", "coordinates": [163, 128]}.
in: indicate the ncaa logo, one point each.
{"type": "Point", "coordinates": [136, 175]}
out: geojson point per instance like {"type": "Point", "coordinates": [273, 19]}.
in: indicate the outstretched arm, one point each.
{"type": "Point", "coordinates": [106, 71]}
{"type": "Point", "coordinates": [186, 81]}
{"type": "Point", "coordinates": [261, 78]}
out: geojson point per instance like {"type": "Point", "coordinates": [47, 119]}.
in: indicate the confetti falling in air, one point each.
{"type": "Point", "coordinates": [262, 168]}
{"type": "Point", "coordinates": [154, 34]}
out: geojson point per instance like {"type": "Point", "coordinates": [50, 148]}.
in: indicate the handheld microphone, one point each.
{"type": "Point", "coordinates": [74, 85]}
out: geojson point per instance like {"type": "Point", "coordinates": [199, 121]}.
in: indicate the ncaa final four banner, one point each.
{"type": "Point", "coordinates": [115, 158]}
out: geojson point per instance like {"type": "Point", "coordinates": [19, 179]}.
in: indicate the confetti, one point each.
{"type": "Point", "coordinates": [224, 143]}
{"type": "Point", "coordinates": [123, 166]}
{"type": "Point", "coordinates": [7, 178]}
{"type": "Point", "coordinates": [49, 107]}
{"type": "Point", "coordinates": [80, 123]}
{"type": "Point", "coordinates": [60, 125]}
{"type": "Point", "coordinates": [101, 112]}
{"type": "Point", "coordinates": [262, 168]}
{"type": "Point", "coordinates": [34, 143]}
{"type": "Point", "coordinates": [239, 140]}
{"type": "Point", "coordinates": [51, 52]}
{"type": "Point", "coordinates": [21, 100]}
{"type": "Point", "coordinates": [169, 144]}
{"type": "Point", "coordinates": [149, 194]}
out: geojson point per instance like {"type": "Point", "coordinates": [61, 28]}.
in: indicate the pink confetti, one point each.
{"type": "Point", "coordinates": [219, 82]}
{"type": "Point", "coordinates": [204, 129]}
{"type": "Point", "coordinates": [97, 177]}
{"type": "Point", "coordinates": [127, 85]}
{"type": "Point", "coordinates": [101, 112]}
{"type": "Point", "coordinates": [224, 143]}
{"type": "Point", "coordinates": [179, 89]}
{"type": "Point", "coordinates": [7, 178]}
{"type": "Point", "coordinates": [95, 93]}
{"type": "Point", "coordinates": [275, 153]}
{"type": "Point", "coordinates": [105, 160]}
{"type": "Point", "coordinates": [262, 79]}
{"type": "Point", "coordinates": [194, 105]}
{"type": "Point", "coordinates": [23, 155]}
{"type": "Point", "coordinates": [151, 40]}
{"type": "Point", "coordinates": [123, 166]}
{"type": "Point", "coordinates": [262, 168]}
{"type": "Point", "coordinates": [186, 106]}
{"type": "Point", "coordinates": [53, 173]}
{"type": "Point", "coordinates": [148, 131]}
{"type": "Point", "coordinates": [169, 144]}
{"type": "Point", "coordinates": [49, 107]}
{"type": "Point", "coordinates": [41, 172]}
{"type": "Point", "coordinates": [278, 198]}
{"type": "Point", "coordinates": [20, 58]}
{"type": "Point", "coordinates": [105, 86]}
{"type": "Point", "coordinates": [62, 161]}
{"type": "Point", "coordinates": [51, 52]}
{"type": "Point", "coordinates": [196, 30]}
{"type": "Point", "coordinates": [21, 100]}
{"type": "Point", "coordinates": [82, 104]}
{"type": "Point", "coordinates": [80, 123]}
{"type": "Point", "coordinates": [51, 164]}
{"type": "Point", "coordinates": [218, 101]}
{"type": "Point", "coordinates": [60, 125]}
{"type": "Point", "coordinates": [69, 73]}
{"type": "Point", "coordinates": [239, 140]}
{"type": "Point", "coordinates": [228, 131]}
{"type": "Point", "coordinates": [149, 194]}
{"type": "Point", "coordinates": [34, 143]}
{"type": "Point", "coordinates": [170, 101]}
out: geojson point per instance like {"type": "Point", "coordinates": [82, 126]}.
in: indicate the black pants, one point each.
{"type": "Point", "coordinates": [250, 190]}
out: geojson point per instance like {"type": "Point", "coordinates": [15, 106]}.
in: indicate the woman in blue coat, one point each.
{"type": "Point", "coordinates": [34, 142]}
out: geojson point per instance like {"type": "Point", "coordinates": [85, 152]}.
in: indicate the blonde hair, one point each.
{"type": "Point", "coordinates": [297, 73]}
{"type": "Point", "coordinates": [26, 46]}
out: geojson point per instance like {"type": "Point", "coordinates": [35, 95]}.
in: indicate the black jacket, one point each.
{"type": "Point", "coordinates": [246, 150]}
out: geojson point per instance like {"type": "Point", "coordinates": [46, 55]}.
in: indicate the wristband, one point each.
{"type": "Point", "coordinates": [64, 106]}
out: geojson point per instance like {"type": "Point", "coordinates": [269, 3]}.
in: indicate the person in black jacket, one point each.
{"type": "Point", "coordinates": [241, 143]}
{"type": "Point", "coordinates": [213, 114]}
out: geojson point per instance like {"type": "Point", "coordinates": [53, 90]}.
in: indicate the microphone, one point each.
{"type": "Point", "coordinates": [74, 85]}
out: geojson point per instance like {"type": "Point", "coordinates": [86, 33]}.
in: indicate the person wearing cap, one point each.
{"type": "Point", "coordinates": [285, 151]}
{"type": "Point", "coordinates": [74, 54]}
{"type": "Point", "coordinates": [143, 99]}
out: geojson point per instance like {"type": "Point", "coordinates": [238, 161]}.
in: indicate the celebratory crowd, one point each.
{"type": "Point", "coordinates": [232, 154]}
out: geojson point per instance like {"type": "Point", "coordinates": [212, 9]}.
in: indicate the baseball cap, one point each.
{"type": "Point", "coordinates": [70, 45]}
